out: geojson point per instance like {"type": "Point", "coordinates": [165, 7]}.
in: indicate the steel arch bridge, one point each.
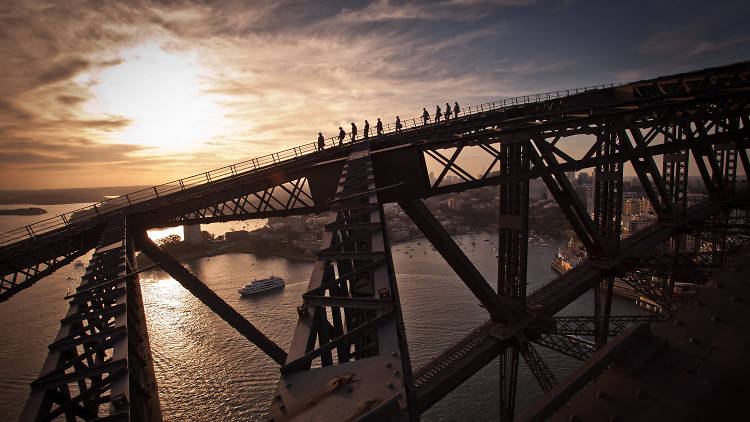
{"type": "Point", "coordinates": [350, 325]}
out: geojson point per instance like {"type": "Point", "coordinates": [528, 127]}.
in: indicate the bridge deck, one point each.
{"type": "Point", "coordinates": [702, 373]}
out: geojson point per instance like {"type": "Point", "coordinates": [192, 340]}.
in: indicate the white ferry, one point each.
{"type": "Point", "coordinates": [261, 286]}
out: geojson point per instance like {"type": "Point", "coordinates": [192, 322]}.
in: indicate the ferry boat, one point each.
{"type": "Point", "coordinates": [262, 286]}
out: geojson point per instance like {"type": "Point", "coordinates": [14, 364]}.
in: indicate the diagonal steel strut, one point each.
{"type": "Point", "coordinates": [451, 252]}
{"type": "Point", "coordinates": [209, 298]}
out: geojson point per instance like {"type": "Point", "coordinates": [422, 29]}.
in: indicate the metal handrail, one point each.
{"type": "Point", "coordinates": [34, 230]}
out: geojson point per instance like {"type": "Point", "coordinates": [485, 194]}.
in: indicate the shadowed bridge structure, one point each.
{"type": "Point", "coordinates": [349, 357]}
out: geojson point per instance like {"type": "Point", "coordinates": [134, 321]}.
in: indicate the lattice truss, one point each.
{"type": "Point", "coordinates": [99, 364]}
{"type": "Point", "coordinates": [23, 268]}
{"type": "Point", "coordinates": [584, 325]}
{"type": "Point", "coordinates": [710, 135]}
{"type": "Point", "coordinates": [349, 353]}
{"type": "Point", "coordinates": [294, 194]}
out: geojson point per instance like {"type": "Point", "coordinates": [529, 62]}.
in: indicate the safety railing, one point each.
{"type": "Point", "coordinates": [34, 230]}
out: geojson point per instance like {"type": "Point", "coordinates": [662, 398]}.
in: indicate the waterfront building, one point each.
{"type": "Point", "coordinates": [455, 204]}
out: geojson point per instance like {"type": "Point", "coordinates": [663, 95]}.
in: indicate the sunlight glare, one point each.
{"type": "Point", "coordinates": [161, 93]}
{"type": "Point", "coordinates": [158, 234]}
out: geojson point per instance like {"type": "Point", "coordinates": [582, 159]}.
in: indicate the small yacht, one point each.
{"type": "Point", "coordinates": [261, 286]}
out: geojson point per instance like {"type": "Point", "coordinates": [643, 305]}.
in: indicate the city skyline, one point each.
{"type": "Point", "coordinates": [140, 93]}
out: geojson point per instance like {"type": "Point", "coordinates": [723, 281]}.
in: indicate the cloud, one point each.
{"type": "Point", "coordinates": [281, 71]}
{"type": "Point", "coordinates": [70, 99]}
{"type": "Point", "coordinates": [705, 47]}
{"type": "Point", "coordinates": [63, 71]}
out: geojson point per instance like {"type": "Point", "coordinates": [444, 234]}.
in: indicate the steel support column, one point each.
{"type": "Point", "coordinates": [100, 363]}
{"type": "Point", "coordinates": [512, 251]}
{"type": "Point", "coordinates": [607, 217]}
{"type": "Point", "coordinates": [360, 368]}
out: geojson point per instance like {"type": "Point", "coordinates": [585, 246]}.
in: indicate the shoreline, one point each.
{"type": "Point", "coordinates": [183, 252]}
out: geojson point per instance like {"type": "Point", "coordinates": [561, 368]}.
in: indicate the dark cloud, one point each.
{"type": "Point", "coordinates": [63, 71]}
{"type": "Point", "coordinates": [69, 99]}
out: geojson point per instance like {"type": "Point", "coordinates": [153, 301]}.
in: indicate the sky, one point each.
{"type": "Point", "coordinates": [135, 92]}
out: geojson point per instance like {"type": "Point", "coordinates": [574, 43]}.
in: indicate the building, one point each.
{"type": "Point", "coordinates": [633, 206]}
{"type": "Point", "coordinates": [455, 203]}
{"type": "Point", "coordinates": [297, 223]}
{"type": "Point", "coordinates": [590, 189]}
{"type": "Point", "coordinates": [584, 178]}
{"type": "Point", "coordinates": [640, 221]}
{"type": "Point", "coordinates": [537, 190]}
{"type": "Point", "coordinates": [192, 234]}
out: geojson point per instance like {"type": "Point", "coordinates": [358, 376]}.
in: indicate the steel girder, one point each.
{"type": "Point", "coordinates": [559, 292]}
{"type": "Point", "coordinates": [572, 346]}
{"type": "Point", "coordinates": [639, 104]}
{"type": "Point", "coordinates": [585, 325]}
{"type": "Point", "coordinates": [700, 134]}
{"type": "Point", "coordinates": [499, 307]}
{"type": "Point", "coordinates": [292, 197]}
{"type": "Point", "coordinates": [22, 267]}
{"type": "Point", "coordinates": [513, 237]}
{"type": "Point", "coordinates": [349, 356]}
{"type": "Point", "coordinates": [100, 363]}
{"type": "Point", "coordinates": [208, 297]}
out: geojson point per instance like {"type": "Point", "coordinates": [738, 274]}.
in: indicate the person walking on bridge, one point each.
{"type": "Point", "coordinates": [379, 127]}
{"type": "Point", "coordinates": [354, 132]}
{"type": "Point", "coordinates": [366, 133]}
{"type": "Point", "coordinates": [438, 114]}
{"type": "Point", "coordinates": [321, 142]}
{"type": "Point", "coordinates": [425, 116]}
{"type": "Point", "coordinates": [456, 109]}
{"type": "Point", "coordinates": [447, 111]}
{"type": "Point", "coordinates": [342, 135]}
{"type": "Point", "coordinates": [398, 124]}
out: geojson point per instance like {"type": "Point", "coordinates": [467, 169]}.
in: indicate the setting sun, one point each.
{"type": "Point", "coordinates": [161, 93]}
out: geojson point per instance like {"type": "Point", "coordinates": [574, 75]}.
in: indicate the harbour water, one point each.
{"type": "Point", "coordinates": [206, 371]}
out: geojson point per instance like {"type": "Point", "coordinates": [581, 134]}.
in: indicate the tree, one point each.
{"type": "Point", "coordinates": [172, 239]}
{"type": "Point", "coordinates": [207, 237]}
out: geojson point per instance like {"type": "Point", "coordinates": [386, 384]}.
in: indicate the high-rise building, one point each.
{"type": "Point", "coordinates": [192, 233]}
{"type": "Point", "coordinates": [537, 190]}
{"type": "Point", "coordinates": [590, 198]}
{"type": "Point", "coordinates": [584, 178]}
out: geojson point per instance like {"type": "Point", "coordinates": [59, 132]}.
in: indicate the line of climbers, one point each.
{"type": "Point", "coordinates": [379, 126]}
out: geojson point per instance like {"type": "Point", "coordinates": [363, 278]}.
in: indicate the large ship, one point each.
{"type": "Point", "coordinates": [568, 257]}
{"type": "Point", "coordinates": [260, 286]}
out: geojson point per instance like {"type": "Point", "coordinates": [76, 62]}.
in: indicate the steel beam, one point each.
{"type": "Point", "coordinates": [209, 298]}
{"type": "Point", "coordinates": [451, 252]}
{"type": "Point", "coordinates": [100, 363]}
{"type": "Point", "coordinates": [366, 331]}
{"type": "Point", "coordinates": [617, 350]}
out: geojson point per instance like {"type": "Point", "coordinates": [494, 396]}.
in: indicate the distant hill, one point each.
{"type": "Point", "coordinates": [63, 196]}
